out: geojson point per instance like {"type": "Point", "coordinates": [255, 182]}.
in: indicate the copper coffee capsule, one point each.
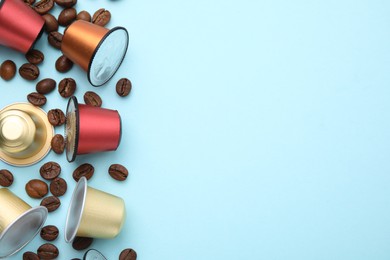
{"type": "Point", "coordinates": [20, 26]}
{"type": "Point", "coordinates": [90, 129]}
{"type": "Point", "coordinates": [93, 213]}
{"type": "Point", "coordinates": [25, 134]}
{"type": "Point", "coordinates": [19, 223]}
{"type": "Point", "coordinates": [96, 49]}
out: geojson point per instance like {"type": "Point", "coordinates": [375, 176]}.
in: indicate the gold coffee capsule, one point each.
{"type": "Point", "coordinates": [93, 213]}
{"type": "Point", "coordinates": [19, 223]}
{"type": "Point", "coordinates": [25, 134]}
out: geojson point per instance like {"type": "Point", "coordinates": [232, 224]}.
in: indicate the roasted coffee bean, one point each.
{"type": "Point", "coordinates": [101, 17]}
{"type": "Point", "coordinates": [36, 99]}
{"type": "Point", "coordinates": [51, 203]}
{"type": "Point", "coordinates": [58, 144]}
{"type": "Point", "coordinates": [118, 172]}
{"type": "Point", "coordinates": [58, 187]}
{"type": "Point", "coordinates": [67, 16]}
{"type": "Point", "coordinates": [51, 23]}
{"type": "Point", "coordinates": [6, 178]}
{"type": "Point", "coordinates": [56, 117]}
{"type": "Point", "coordinates": [123, 87]}
{"type": "Point", "coordinates": [48, 251]}
{"type": "Point", "coordinates": [44, 6]}
{"type": "Point", "coordinates": [49, 233]}
{"type": "Point", "coordinates": [84, 15]}
{"type": "Point", "coordinates": [63, 64]}
{"type": "Point", "coordinates": [29, 2]}
{"type": "Point", "coordinates": [35, 57]}
{"type": "Point", "coordinates": [30, 256]}
{"type": "Point", "coordinates": [128, 254]}
{"type": "Point", "coordinates": [50, 170]}
{"type": "Point", "coordinates": [81, 243]}
{"type": "Point", "coordinates": [67, 87]}
{"type": "Point", "coordinates": [7, 70]}
{"type": "Point", "coordinates": [29, 71]}
{"type": "Point", "coordinates": [45, 86]}
{"type": "Point", "coordinates": [66, 3]}
{"type": "Point", "coordinates": [92, 99]}
{"type": "Point", "coordinates": [85, 170]}
{"type": "Point", "coordinates": [55, 39]}
{"type": "Point", "coordinates": [36, 189]}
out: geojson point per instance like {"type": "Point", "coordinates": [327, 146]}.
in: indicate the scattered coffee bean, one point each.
{"type": "Point", "coordinates": [7, 70]}
{"type": "Point", "coordinates": [128, 254]}
{"type": "Point", "coordinates": [58, 187]}
{"type": "Point", "coordinates": [67, 16]}
{"type": "Point", "coordinates": [58, 144]}
{"type": "Point", "coordinates": [81, 243]}
{"type": "Point", "coordinates": [45, 86]}
{"type": "Point", "coordinates": [85, 170]}
{"type": "Point", "coordinates": [101, 17]}
{"type": "Point", "coordinates": [51, 23]}
{"type": "Point", "coordinates": [36, 189]}
{"type": "Point", "coordinates": [49, 233]}
{"type": "Point", "coordinates": [48, 251]}
{"type": "Point", "coordinates": [55, 39]}
{"type": "Point", "coordinates": [51, 203]}
{"type": "Point", "coordinates": [56, 117]}
{"type": "Point", "coordinates": [30, 256]}
{"type": "Point", "coordinates": [6, 178]}
{"type": "Point", "coordinates": [66, 3]}
{"type": "Point", "coordinates": [118, 172]}
{"type": "Point", "coordinates": [63, 64]}
{"type": "Point", "coordinates": [123, 87]}
{"type": "Point", "coordinates": [36, 99]}
{"type": "Point", "coordinates": [84, 15]}
{"type": "Point", "coordinates": [92, 99]}
{"type": "Point", "coordinates": [35, 57]}
{"type": "Point", "coordinates": [29, 71]}
{"type": "Point", "coordinates": [50, 170]}
{"type": "Point", "coordinates": [44, 6]}
{"type": "Point", "coordinates": [67, 87]}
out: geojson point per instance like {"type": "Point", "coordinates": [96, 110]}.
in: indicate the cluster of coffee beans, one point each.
{"type": "Point", "coordinates": [38, 189]}
{"type": "Point", "coordinates": [56, 117]}
{"type": "Point", "coordinates": [66, 17]}
{"type": "Point", "coordinates": [30, 70]}
{"type": "Point", "coordinates": [50, 171]}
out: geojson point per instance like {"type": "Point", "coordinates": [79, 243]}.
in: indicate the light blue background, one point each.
{"type": "Point", "coordinates": [255, 130]}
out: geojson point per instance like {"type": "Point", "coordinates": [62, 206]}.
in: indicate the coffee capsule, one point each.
{"type": "Point", "coordinates": [93, 254]}
{"type": "Point", "coordinates": [95, 49]}
{"type": "Point", "coordinates": [93, 213]}
{"type": "Point", "coordinates": [25, 134]}
{"type": "Point", "coordinates": [90, 129]}
{"type": "Point", "coordinates": [19, 223]}
{"type": "Point", "coordinates": [20, 25]}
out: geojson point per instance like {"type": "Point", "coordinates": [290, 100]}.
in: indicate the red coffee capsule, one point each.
{"type": "Point", "coordinates": [90, 129]}
{"type": "Point", "coordinates": [20, 26]}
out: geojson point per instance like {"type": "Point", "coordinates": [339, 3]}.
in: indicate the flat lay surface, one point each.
{"type": "Point", "coordinates": [254, 130]}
